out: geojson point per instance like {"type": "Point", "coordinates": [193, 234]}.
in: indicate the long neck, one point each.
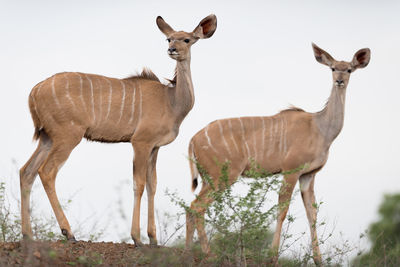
{"type": "Point", "coordinates": [183, 94]}
{"type": "Point", "coordinates": [330, 119]}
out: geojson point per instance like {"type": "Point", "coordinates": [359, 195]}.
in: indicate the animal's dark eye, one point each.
{"type": "Point", "coordinates": [333, 69]}
{"type": "Point", "coordinates": [186, 40]}
{"type": "Point", "coordinates": [349, 71]}
{"type": "Point", "coordinates": [168, 40]}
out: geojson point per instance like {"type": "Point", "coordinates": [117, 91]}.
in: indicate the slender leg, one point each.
{"type": "Point", "coordinates": [27, 176]}
{"type": "Point", "coordinates": [307, 193]}
{"type": "Point", "coordinates": [151, 185]}
{"type": "Point", "coordinates": [140, 166]}
{"type": "Point", "coordinates": [284, 198]}
{"type": "Point", "coordinates": [199, 206]}
{"type": "Point", "coordinates": [190, 227]}
{"type": "Point", "coordinates": [59, 153]}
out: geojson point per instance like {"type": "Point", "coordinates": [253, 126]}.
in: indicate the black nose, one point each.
{"type": "Point", "coordinates": [339, 81]}
{"type": "Point", "coordinates": [173, 49]}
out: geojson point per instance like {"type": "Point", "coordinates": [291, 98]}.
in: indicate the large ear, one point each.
{"type": "Point", "coordinates": [361, 58]}
{"type": "Point", "coordinates": [163, 26]}
{"type": "Point", "coordinates": [206, 27]}
{"type": "Point", "coordinates": [321, 56]}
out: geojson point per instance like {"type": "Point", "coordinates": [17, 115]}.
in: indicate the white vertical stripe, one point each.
{"type": "Point", "coordinates": [271, 144]}
{"type": "Point", "coordinates": [281, 137]}
{"type": "Point", "coordinates": [92, 94]}
{"type": "Point", "coordinates": [53, 89]}
{"type": "Point", "coordinates": [232, 137]}
{"type": "Point", "coordinates": [36, 91]}
{"type": "Point", "coordinates": [209, 140]}
{"type": "Point", "coordinates": [254, 139]}
{"type": "Point", "coordinates": [244, 139]}
{"type": "Point", "coordinates": [263, 138]}
{"type": "Point", "coordinates": [133, 105]}
{"type": "Point", "coordinates": [38, 88]}
{"type": "Point", "coordinates": [110, 89]}
{"type": "Point", "coordinates": [122, 101]}
{"type": "Point", "coordinates": [276, 132]}
{"type": "Point", "coordinates": [81, 91]}
{"type": "Point", "coordinates": [140, 103]}
{"type": "Point", "coordinates": [100, 88]}
{"type": "Point", "coordinates": [285, 137]}
{"type": "Point", "coordinates": [67, 91]}
{"type": "Point", "coordinates": [223, 138]}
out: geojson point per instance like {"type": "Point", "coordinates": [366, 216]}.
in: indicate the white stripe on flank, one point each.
{"type": "Point", "coordinates": [38, 88]}
{"type": "Point", "coordinates": [53, 89]}
{"type": "Point", "coordinates": [140, 103]}
{"type": "Point", "coordinates": [33, 96]}
{"type": "Point", "coordinates": [91, 90]}
{"type": "Point", "coordinates": [109, 97]}
{"type": "Point", "coordinates": [276, 134]}
{"type": "Point", "coordinates": [281, 137]}
{"type": "Point", "coordinates": [223, 138]}
{"type": "Point", "coordinates": [271, 145]}
{"type": "Point", "coordinates": [209, 140]}
{"type": "Point", "coordinates": [100, 86]}
{"type": "Point", "coordinates": [244, 138]}
{"type": "Point", "coordinates": [285, 137]}
{"type": "Point", "coordinates": [263, 138]}
{"type": "Point", "coordinates": [254, 139]}
{"type": "Point", "coordinates": [133, 105]}
{"type": "Point", "coordinates": [122, 101]}
{"type": "Point", "coordinates": [67, 91]}
{"type": "Point", "coordinates": [81, 91]}
{"type": "Point", "coordinates": [232, 137]}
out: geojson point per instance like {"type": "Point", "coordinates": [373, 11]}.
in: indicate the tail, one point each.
{"type": "Point", "coordinates": [35, 118]}
{"type": "Point", "coordinates": [193, 167]}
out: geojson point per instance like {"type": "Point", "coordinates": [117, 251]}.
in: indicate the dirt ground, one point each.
{"type": "Point", "coordinates": [81, 253]}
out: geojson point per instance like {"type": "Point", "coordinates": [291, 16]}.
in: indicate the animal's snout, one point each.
{"type": "Point", "coordinates": [171, 50]}
{"type": "Point", "coordinates": [339, 82]}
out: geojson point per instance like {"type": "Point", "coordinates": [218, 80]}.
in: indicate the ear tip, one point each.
{"type": "Point", "coordinates": [212, 16]}
{"type": "Point", "coordinates": [159, 17]}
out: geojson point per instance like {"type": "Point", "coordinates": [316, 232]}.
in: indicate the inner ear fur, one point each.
{"type": "Point", "coordinates": [322, 56]}
{"type": "Point", "coordinates": [361, 58]}
{"type": "Point", "coordinates": [206, 27]}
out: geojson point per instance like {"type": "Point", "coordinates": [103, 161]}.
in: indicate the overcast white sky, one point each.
{"type": "Point", "coordinates": [258, 62]}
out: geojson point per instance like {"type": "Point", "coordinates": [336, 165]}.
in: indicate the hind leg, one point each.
{"type": "Point", "coordinates": [59, 153]}
{"type": "Point", "coordinates": [27, 176]}
{"type": "Point", "coordinates": [199, 206]}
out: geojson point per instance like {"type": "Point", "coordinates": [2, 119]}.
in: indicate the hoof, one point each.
{"type": "Point", "coordinates": [69, 236]}
{"type": "Point", "coordinates": [139, 244]}
{"type": "Point", "coordinates": [72, 239]}
{"type": "Point", "coordinates": [153, 243]}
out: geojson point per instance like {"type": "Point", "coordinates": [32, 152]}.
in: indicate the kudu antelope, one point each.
{"type": "Point", "coordinates": [140, 109]}
{"type": "Point", "coordinates": [278, 143]}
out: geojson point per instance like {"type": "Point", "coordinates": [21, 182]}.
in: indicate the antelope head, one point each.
{"type": "Point", "coordinates": [180, 41]}
{"type": "Point", "coordinates": [341, 70]}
